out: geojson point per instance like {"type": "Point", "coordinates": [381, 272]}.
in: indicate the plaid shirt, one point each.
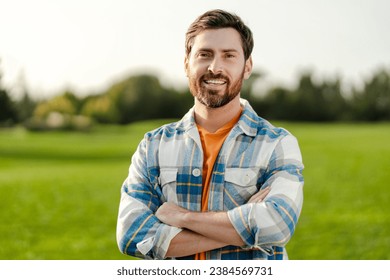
{"type": "Point", "coordinates": [167, 166]}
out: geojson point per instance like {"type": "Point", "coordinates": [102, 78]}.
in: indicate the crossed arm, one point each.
{"type": "Point", "coordinates": [148, 229]}
{"type": "Point", "coordinates": [202, 231]}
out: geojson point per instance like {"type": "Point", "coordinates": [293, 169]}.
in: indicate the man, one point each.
{"type": "Point", "coordinates": [222, 183]}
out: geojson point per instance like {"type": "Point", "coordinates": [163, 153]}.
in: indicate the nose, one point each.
{"type": "Point", "coordinates": [215, 66]}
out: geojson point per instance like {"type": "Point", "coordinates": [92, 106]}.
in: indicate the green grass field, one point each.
{"type": "Point", "coordinates": [60, 191]}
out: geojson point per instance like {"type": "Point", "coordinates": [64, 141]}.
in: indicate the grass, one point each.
{"type": "Point", "coordinates": [60, 191]}
{"type": "Point", "coordinates": [345, 212]}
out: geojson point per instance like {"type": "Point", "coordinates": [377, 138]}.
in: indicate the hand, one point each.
{"type": "Point", "coordinates": [259, 196]}
{"type": "Point", "coordinates": [171, 214]}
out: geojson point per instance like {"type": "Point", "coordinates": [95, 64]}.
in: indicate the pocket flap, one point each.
{"type": "Point", "coordinates": [167, 175]}
{"type": "Point", "coordinates": [241, 176]}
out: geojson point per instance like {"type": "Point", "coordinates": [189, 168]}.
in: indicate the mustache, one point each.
{"type": "Point", "coordinates": [210, 76]}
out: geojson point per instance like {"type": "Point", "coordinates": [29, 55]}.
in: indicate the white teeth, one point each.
{"type": "Point", "coordinates": [216, 82]}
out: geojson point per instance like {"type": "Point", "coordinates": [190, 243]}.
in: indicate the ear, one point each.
{"type": "Point", "coordinates": [248, 68]}
{"type": "Point", "coordinates": [186, 65]}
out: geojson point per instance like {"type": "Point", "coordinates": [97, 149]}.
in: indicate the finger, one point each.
{"type": "Point", "coordinates": [260, 195]}
{"type": "Point", "coordinates": [256, 199]}
{"type": "Point", "coordinates": [260, 200]}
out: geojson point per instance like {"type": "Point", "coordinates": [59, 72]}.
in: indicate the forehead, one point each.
{"type": "Point", "coordinates": [218, 39]}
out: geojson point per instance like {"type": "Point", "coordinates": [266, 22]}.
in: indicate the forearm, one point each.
{"type": "Point", "coordinates": [217, 225]}
{"type": "Point", "coordinates": [188, 243]}
{"type": "Point", "coordinates": [213, 225]}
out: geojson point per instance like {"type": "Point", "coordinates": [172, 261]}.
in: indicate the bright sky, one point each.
{"type": "Point", "coordinates": [85, 45]}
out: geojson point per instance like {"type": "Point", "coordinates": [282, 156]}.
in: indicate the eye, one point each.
{"type": "Point", "coordinates": [229, 55]}
{"type": "Point", "coordinates": [204, 54]}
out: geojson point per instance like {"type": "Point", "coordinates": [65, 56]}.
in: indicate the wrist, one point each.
{"type": "Point", "coordinates": [185, 219]}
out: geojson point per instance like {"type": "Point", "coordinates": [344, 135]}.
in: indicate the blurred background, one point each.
{"type": "Point", "coordinates": [82, 81]}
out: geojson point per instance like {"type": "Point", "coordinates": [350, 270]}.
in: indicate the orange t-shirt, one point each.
{"type": "Point", "coordinates": [211, 144]}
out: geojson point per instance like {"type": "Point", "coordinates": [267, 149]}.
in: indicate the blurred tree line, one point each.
{"type": "Point", "coordinates": [143, 97]}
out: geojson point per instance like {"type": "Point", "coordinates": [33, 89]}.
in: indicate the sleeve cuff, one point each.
{"type": "Point", "coordinates": [157, 246]}
{"type": "Point", "coordinates": [236, 217]}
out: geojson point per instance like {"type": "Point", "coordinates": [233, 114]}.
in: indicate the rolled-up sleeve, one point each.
{"type": "Point", "coordinates": [139, 232]}
{"type": "Point", "coordinates": [273, 221]}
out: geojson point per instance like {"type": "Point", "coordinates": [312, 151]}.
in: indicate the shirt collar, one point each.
{"type": "Point", "coordinates": [248, 121]}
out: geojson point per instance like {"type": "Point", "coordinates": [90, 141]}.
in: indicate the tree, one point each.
{"type": "Point", "coordinates": [7, 110]}
{"type": "Point", "coordinates": [101, 108]}
{"type": "Point", "coordinates": [25, 107]}
{"type": "Point", "coordinates": [321, 101]}
{"type": "Point", "coordinates": [136, 98]}
{"type": "Point", "coordinates": [372, 103]}
{"type": "Point", "coordinates": [63, 104]}
{"type": "Point", "coordinates": [334, 101]}
{"type": "Point", "coordinates": [276, 104]}
{"type": "Point", "coordinates": [308, 103]}
{"type": "Point", "coordinates": [247, 87]}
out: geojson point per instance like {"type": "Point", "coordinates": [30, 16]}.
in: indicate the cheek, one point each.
{"type": "Point", "coordinates": [237, 76]}
{"type": "Point", "coordinates": [194, 72]}
{"type": "Point", "coordinates": [196, 67]}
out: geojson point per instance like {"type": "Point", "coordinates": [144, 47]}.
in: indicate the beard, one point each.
{"type": "Point", "coordinates": [212, 98]}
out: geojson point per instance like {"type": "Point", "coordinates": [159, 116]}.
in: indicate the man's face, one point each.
{"type": "Point", "coordinates": [216, 66]}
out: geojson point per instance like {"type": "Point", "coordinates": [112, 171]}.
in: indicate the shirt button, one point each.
{"type": "Point", "coordinates": [247, 179]}
{"type": "Point", "coordinates": [196, 172]}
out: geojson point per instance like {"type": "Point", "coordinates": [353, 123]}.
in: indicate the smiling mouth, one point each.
{"type": "Point", "coordinates": [214, 82]}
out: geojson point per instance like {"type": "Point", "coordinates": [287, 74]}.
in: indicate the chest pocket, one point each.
{"type": "Point", "coordinates": [168, 183]}
{"type": "Point", "coordinates": [240, 185]}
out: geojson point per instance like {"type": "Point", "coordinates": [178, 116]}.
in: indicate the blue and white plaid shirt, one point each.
{"type": "Point", "coordinates": [167, 166]}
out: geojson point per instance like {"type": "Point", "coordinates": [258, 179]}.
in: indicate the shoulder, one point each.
{"type": "Point", "coordinates": [266, 128]}
{"type": "Point", "coordinates": [165, 131]}
{"type": "Point", "coordinates": [257, 126]}
{"type": "Point", "coordinates": [173, 129]}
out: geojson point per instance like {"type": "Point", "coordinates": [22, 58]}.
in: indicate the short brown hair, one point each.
{"type": "Point", "coordinates": [216, 19]}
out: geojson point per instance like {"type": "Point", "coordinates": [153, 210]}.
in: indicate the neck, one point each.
{"type": "Point", "coordinates": [213, 119]}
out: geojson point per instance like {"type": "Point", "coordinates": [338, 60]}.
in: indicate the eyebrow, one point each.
{"type": "Point", "coordinates": [211, 50]}
{"type": "Point", "coordinates": [230, 50]}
